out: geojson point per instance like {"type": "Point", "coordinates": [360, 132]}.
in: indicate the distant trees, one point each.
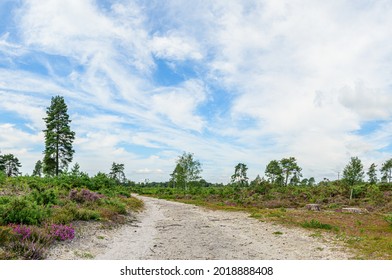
{"type": "Point", "coordinates": [386, 171]}
{"type": "Point", "coordinates": [274, 172]}
{"type": "Point", "coordinates": [284, 171]}
{"type": "Point", "coordinates": [58, 151]}
{"type": "Point", "coordinates": [10, 165]}
{"type": "Point", "coordinates": [239, 177]}
{"type": "Point", "coordinates": [187, 170]}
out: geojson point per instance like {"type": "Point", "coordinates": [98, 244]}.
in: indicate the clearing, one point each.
{"type": "Point", "coordinates": [170, 230]}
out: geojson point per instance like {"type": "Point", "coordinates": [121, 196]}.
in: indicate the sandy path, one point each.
{"type": "Point", "coordinates": [171, 230]}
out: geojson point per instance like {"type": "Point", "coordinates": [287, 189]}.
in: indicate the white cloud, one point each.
{"type": "Point", "coordinates": [179, 104]}
{"type": "Point", "coordinates": [175, 47]}
{"type": "Point", "coordinates": [301, 77]}
{"type": "Point", "coordinates": [149, 171]}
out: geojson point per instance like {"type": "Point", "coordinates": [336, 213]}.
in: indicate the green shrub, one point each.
{"type": "Point", "coordinates": [84, 214]}
{"type": "Point", "coordinates": [46, 197]}
{"type": "Point", "coordinates": [316, 224]}
{"type": "Point", "coordinates": [358, 191]}
{"type": "Point", "coordinates": [6, 235]}
{"type": "Point", "coordinates": [3, 177]}
{"type": "Point", "coordinates": [21, 210]}
{"type": "Point", "coordinates": [373, 192]}
{"type": "Point", "coordinates": [388, 218]}
{"type": "Point", "coordinates": [71, 211]}
{"type": "Point", "coordinates": [116, 205]}
{"type": "Point", "coordinates": [63, 215]}
{"type": "Point", "coordinates": [5, 200]}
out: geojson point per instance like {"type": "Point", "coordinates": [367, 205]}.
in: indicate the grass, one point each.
{"type": "Point", "coordinates": [316, 224]}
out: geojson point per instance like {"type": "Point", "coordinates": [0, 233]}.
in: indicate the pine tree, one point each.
{"type": "Point", "coordinates": [239, 178]}
{"type": "Point", "coordinates": [372, 174]}
{"type": "Point", "coordinates": [10, 164]}
{"type": "Point", "coordinates": [38, 169]}
{"type": "Point", "coordinates": [58, 138]}
{"type": "Point", "coordinates": [117, 172]}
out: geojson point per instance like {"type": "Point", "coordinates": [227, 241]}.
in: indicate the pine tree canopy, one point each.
{"type": "Point", "coordinates": [58, 138]}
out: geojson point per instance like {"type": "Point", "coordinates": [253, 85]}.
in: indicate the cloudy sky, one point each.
{"type": "Point", "coordinates": [230, 81]}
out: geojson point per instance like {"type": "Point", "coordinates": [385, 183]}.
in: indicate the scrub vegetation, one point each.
{"type": "Point", "coordinates": [352, 209]}
{"type": "Point", "coordinates": [40, 209]}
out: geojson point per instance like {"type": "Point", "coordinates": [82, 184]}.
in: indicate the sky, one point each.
{"type": "Point", "coordinates": [229, 81]}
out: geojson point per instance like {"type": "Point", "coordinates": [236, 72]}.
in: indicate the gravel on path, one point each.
{"type": "Point", "coordinates": [168, 230]}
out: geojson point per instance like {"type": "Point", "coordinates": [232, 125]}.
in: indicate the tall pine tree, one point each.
{"type": "Point", "coordinates": [58, 138]}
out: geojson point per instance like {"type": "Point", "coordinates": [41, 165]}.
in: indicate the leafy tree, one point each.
{"type": "Point", "coordinates": [284, 171]}
{"type": "Point", "coordinates": [273, 171]}
{"type": "Point", "coordinates": [353, 172]}
{"type": "Point", "coordinates": [311, 181]}
{"type": "Point", "coordinates": [10, 164]}
{"type": "Point", "coordinates": [372, 174]}
{"type": "Point", "coordinates": [290, 168]}
{"type": "Point", "coordinates": [117, 172]}
{"type": "Point", "coordinates": [308, 182]}
{"type": "Point", "coordinates": [239, 177]}
{"type": "Point", "coordinates": [187, 170]}
{"type": "Point", "coordinates": [386, 170]}
{"type": "Point", "coordinates": [178, 176]}
{"type": "Point", "coordinates": [38, 168]}
{"type": "Point", "coordinates": [58, 151]}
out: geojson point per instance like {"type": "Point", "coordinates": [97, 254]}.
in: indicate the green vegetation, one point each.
{"type": "Point", "coordinates": [37, 211]}
{"type": "Point", "coordinates": [9, 164]}
{"type": "Point", "coordinates": [187, 170]}
{"type": "Point", "coordinates": [38, 203]}
{"type": "Point", "coordinates": [369, 234]}
{"type": "Point", "coordinates": [316, 224]}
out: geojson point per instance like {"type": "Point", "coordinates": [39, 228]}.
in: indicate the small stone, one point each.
{"type": "Point", "coordinates": [354, 210]}
{"type": "Point", "coordinates": [313, 207]}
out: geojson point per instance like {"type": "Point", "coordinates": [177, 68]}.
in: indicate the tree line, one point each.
{"type": "Point", "coordinates": [58, 154]}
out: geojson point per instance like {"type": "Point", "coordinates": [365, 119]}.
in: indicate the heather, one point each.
{"type": "Point", "coordinates": [37, 212]}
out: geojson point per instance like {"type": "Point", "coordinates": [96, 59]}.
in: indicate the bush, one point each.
{"type": "Point", "coordinates": [116, 205]}
{"type": "Point", "coordinates": [388, 218]}
{"type": "Point", "coordinates": [30, 242]}
{"type": "Point", "coordinates": [21, 210]}
{"type": "Point", "coordinates": [316, 224]}
{"type": "Point", "coordinates": [46, 197]}
{"type": "Point", "coordinates": [84, 196]}
{"type": "Point", "coordinates": [373, 192]}
{"type": "Point", "coordinates": [62, 232]}
{"type": "Point", "coordinates": [87, 214]}
{"type": "Point", "coordinates": [6, 235]}
{"type": "Point", "coordinates": [3, 177]}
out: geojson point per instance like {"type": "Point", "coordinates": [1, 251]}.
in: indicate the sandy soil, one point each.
{"type": "Point", "coordinates": [171, 230]}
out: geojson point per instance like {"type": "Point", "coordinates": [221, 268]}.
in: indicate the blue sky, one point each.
{"type": "Point", "coordinates": [230, 81]}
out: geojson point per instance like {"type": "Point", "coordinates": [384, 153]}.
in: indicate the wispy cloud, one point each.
{"type": "Point", "coordinates": [247, 81]}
